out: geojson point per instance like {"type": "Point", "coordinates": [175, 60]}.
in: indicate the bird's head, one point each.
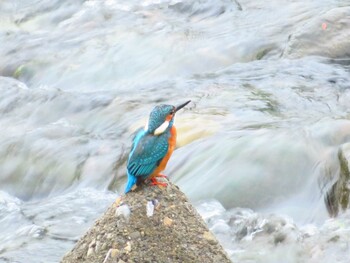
{"type": "Point", "coordinates": [162, 118]}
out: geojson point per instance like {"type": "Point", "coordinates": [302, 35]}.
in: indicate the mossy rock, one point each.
{"type": "Point", "coordinates": [337, 198]}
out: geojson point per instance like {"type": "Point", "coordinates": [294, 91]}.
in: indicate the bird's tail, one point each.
{"type": "Point", "coordinates": [131, 182]}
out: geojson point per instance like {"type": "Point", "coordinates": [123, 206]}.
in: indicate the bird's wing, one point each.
{"type": "Point", "coordinates": [146, 153]}
{"type": "Point", "coordinates": [137, 135]}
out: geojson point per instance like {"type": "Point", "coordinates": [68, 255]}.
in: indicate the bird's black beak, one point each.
{"type": "Point", "coordinates": [181, 106]}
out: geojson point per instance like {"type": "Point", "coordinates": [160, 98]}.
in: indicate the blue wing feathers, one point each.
{"type": "Point", "coordinates": [146, 154]}
{"type": "Point", "coordinates": [131, 182]}
{"type": "Point", "coordinates": [148, 150]}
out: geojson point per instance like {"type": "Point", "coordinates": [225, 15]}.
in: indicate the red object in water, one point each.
{"type": "Point", "coordinates": [324, 26]}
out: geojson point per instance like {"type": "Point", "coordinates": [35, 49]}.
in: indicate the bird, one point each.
{"type": "Point", "coordinates": [152, 146]}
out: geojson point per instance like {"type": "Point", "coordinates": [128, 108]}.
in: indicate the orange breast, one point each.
{"type": "Point", "coordinates": [172, 143]}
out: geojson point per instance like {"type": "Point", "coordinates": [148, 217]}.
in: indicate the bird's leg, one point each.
{"type": "Point", "coordinates": [155, 182]}
{"type": "Point", "coordinates": [161, 175]}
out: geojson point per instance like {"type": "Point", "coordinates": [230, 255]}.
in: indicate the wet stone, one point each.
{"type": "Point", "coordinates": [279, 238]}
{"type": "Point", "coordinates": [334, 239]}
{"type": "Point", "coordinates": [242, 232]}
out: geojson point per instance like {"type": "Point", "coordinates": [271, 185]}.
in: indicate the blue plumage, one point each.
{"type": "Point", "coordinates": [132, 180]}
{"type": "Point", "coordinates": [158, 116]}
{"type": "Point", "coordinates": [147, 152]}
{"type": "Point", "coordinates": [150, 145]}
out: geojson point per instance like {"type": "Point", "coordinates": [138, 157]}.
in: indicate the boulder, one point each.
{"type": "Point", "coordinates": [150, 224]}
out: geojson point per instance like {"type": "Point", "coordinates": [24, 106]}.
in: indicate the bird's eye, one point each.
{"type": "Point", "coordinates": [172, 112]}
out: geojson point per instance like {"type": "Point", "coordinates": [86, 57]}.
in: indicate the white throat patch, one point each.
{"type": "Point", "coordinates": [161, 128]}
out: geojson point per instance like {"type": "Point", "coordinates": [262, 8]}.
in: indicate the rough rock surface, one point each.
{"type": "Point", "coordinates": [151, 224]}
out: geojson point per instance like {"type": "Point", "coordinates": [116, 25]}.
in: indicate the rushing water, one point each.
{"type": "Point", "coordinates": [257, 147]}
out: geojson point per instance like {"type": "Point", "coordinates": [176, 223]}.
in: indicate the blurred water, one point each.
{"type": "Point", "coordinates": [270, 89]}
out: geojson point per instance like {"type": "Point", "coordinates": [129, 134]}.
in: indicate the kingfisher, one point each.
{"type": "Point", "coordinates": [153, 146]}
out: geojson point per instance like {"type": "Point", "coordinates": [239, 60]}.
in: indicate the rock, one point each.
{"type": "Point", "coordinates": [337, 197]}
{"type": "Point", "coordinates": [150, 208]}
{"type": "Point", "coordinates": [209, 236]}
{"type": "Point", "coordinates": [135, 235]}
{"type": "Point", "coordinates": [334, 238]}
{"type": "Point", "coordinates": [127, 248]}
{"type": "Point", "coordinates": [97, 247]}
{"type": "Point", "coordinates": [90, 252]}
{"type": "Point", "coordinates": [93, 243]}
{"type": "Point", "coordinates": [173, 233]}
{"type": "Point", "coordinates": [114, 253]}
{"type": "Point", "coordinates": [279, 238]}
{"type": "Point", "coordinates": [124, 211]}
{"type": "Point", "coordinates": [167, 221]}
{"type": "Point", "coordinates": [325, 35]}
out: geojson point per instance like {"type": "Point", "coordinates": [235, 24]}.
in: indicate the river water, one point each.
{"type": "Point", "coordinates": [257, 147]}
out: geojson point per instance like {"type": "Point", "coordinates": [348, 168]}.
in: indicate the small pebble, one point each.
{"type": "Point", "coordinates": [123, 211]}
{"type": "Point", "coordinates": [114, 252]}
{"type": "Point", "coordinates": [118, 201]}
{"type": "Point", "coordinates": [92, 243]}
{"type": "Point", "coordinates": [209, 236]}
{"type": "Point", "coordinates": [104, 246]}
{"type": "Point", "coordinates": [98, 245]}
{"type": "Point", "coordinates": [90, 251]}
{"type": "Point", "coordinates": [127, 248]}
{"type": "Point", "coordinates": [135, 235]}
{"type": "Point", "coordinates": [167, 221]}
{"type": "Point", "coordinates": [149, 208]}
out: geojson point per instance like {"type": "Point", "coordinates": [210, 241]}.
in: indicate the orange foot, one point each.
{"type": "Point", "coordinates": [155, 182]}
{"type": "Point", "coordinates": [161, 175]}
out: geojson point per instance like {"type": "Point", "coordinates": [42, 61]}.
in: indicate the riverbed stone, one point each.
{"type": "Point", "coordinates": [318, 37]}
{"type": "Point", "coordinates": [338, 196]}
{"type": "Point", "coordinates": [174, 233]}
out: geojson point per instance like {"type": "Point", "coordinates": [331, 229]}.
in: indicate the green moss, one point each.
{"type": "Point", "coordinates": [337, 198]}
{"type": "Point", "coordinates": [23, 72]}
{"type": "Point", "coordinates": [261, 54]}
{"type": "Point", "coordinates": [344, 165]}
